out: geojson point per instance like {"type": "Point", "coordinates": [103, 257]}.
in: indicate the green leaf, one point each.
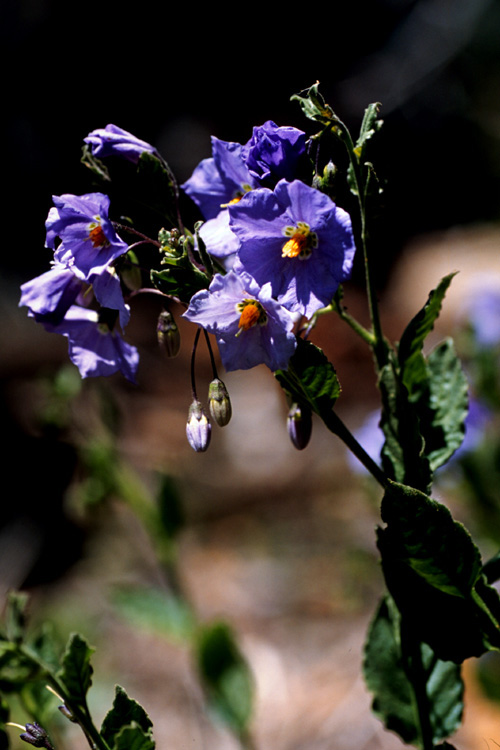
{"type": "Point", "coordinates": [133, 737]}
{"type": "Point", "coordinates": [94, 164]}
{"type": "Point", "coordinates": [180, 280]}
{"type": "Point", "coordinates": [369, 127]}
{"type": "Point", "coordinates": [225, 676]}
{"type": "Point", "coordinates": [411, 360]}
{"type": "Point", "coordinates": [447, 405]}
{"type": "Point", "coordinates": [15, 616]}
{"type": "Point", "coordinates": [311, 378]}
{"type": "Point", "coordinates": [156, 610]}
{"type": "Point", "coordinates": [125, 711]}
{"type": "Point", "coordinates": [313, 105]}
{"type": "Point", "coordinates": [394, 699]}
{"type": "Point", "coordinates": [434, 573]}
{"type": "Point", "coordinates": [76, 671]}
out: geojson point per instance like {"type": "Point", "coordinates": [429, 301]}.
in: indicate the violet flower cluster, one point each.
{"type": "Point", "coordinates": [282, 248]}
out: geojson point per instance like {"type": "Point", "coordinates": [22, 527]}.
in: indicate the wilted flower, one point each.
{"type": "Point", "coordinates": [198, 428]}
{"type": "Point", "coordinates": [274, 151]}
{"type": "Point", "coordinates": [95, 347]}
{"type": "Point", "coordinates": [37, 736]}
{"type": "Point", "coordinates": [297, 240]}
{"type": "Point", "coordinates": [89, 243]}
{"type": "Point", "coordinates": [251, 328]}
{"type": "Point", "coordinates": [114, 141]}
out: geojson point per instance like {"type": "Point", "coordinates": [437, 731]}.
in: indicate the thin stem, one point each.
{"type": "Point", "coordinates": [334, 424]}
{"type": "Point", "coordinates": [144, 237]}
{"type": "Point", "coordinates": [412, 660]}
{"type": "Point", "coordinates": [212, 360]}
{"type": "Point", "coordinates": [193, 357]}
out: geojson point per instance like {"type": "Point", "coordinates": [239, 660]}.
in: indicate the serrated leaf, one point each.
{"type": "Point", "coordinates": [447, 405]}
{"type": "Point", "coordinates": [434, 573]}
{"type": "Point", "coordinates": [76, 670]}
{"type": "Point", "coordinates": [225, 676]}
{"type": "Point", "coordinates": [311, 378]}
{"type": "Point", "coordinates": [133, 737]}
{"type": "Point", "coordinates": [156, 610]}
{"type": "Point", "coordinates": [125, 711]}
{"type": "Point", "coordinates": [394, 699]}
{"type": "Point", "coordinates": [411, 360]}
{"type": "Point", "coordinates": [370, 124]}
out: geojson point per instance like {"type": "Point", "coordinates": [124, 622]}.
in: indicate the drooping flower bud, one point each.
{"type": "Point", "coordinates": [219, 402]}
{"type": "Point", "coordinates": [168, 333]}
{"type": "Point", "coordinates": [198, 428]}
{"type": "Point", "coordinates": [299, 425]}
{"type": "Point", "coordinates": [37, 736]}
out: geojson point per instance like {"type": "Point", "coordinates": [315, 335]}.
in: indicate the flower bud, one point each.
{"type": "Point", "coordinates": [168, 333]}
{"type": "Point", "coordinates": [198, 428]}
{"type": "Point", "coordinates": [37, 736]}
{"type": "Point", "coordinates": [219, 403]}
{"type": "Point", "coordinates": [299, 425]}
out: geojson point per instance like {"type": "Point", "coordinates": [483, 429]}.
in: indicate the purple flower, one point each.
{"type": "Point", "coordinates": [113, 141]}
{"type": "Point", "coordinates": [217, 181]}
{"type": "Point", "coordinates": [89, 243]}
{"type": "Point", "coordinates": [94, 347]}
{"type": "Point", "coordinates": [296, 239]}
{"type": "Point", "coordinates": [274, 151]}
{"type": "Point", "coordinates": [482, 309]}
{"type": "Point", "coordinates": [50, 295]}
{"type": "Point", "coordinates": [250, 327]}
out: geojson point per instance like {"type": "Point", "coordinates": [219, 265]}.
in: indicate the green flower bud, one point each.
{"type": "Point", "coordinates": [198, 428]}
{"type": "Point", "coordinates": [168, 333]}
{"type": "Point", "coordinates": [219, 402]}
{"type": "Point", "coordinates": [299, 425]}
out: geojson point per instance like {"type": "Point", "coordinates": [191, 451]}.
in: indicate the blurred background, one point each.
{"type": "Point", "coordinates": [279, 543]}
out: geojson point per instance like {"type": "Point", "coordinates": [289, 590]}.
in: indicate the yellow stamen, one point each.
{"type": "Point", "coordinates": [250, 316]}
{"type": "Point", "coordinates": [97, 236]}
{"type": "Point", "coordinates": [294, 246]}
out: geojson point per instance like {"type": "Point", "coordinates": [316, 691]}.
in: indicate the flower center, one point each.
{"type": "Point", "coordinates": [301, 242]}
{"type": "Point", "coordinates": [96, 234]}
{"type": "Point", "coordinates": [239, 195]}
{"type": "Point", "coordinates": [251, 314]}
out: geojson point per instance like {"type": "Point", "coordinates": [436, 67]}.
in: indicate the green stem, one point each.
{"type": "Point", "coordinates": [80, 713]}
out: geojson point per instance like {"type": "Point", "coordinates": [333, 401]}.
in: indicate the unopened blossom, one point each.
{"type": "Point", "coordinates": [114, 141]}
{"type": "Point", "coordinates": [89, 243]}
{"type": "Point", "coordinates": [295, 239]}
{"type": "Point", "coordinates": [198, 428]}
{"type": "Point", "coordinates": [250, 327]}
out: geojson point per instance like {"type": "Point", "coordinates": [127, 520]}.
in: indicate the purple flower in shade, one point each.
{"type": "Point", "coordinates": [250, 327]}
{"type": "Point", "coordinates": [296, 239]}
{"type": "Point", "coordinates": [113, 141]}
{"type": "Point", "coordinates": [219, 240]}
{"type": "Point", "coordinates": [108, 293]}
{"type": "Point", "coordinates": [50, 295]}
{"type": "Point", "coordinates": [274, 151]}
{"type": "Point", "coordinates": [217, 181]}
{"type": "Point", "coordinates": [89, 243]}
{"type": "Point", "coordinates": [94, 347]}
{"type": "Point", "coordinates": [482, 310]}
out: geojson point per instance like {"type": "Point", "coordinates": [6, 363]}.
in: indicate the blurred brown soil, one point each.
{"type": "Point", "coordinates": [279, 543]}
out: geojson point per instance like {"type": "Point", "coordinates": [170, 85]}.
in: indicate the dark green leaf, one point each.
{"type": "Point", "coordinates": [94, 164]}
{"type": "Point", "coordinates": [411, 360]}
{"type": "Point", "coordinates": [447, 406]}
{"type": "Point", "coordinates": [76, 671]}
{"type": "Point", "coordinates": [15, 616]}
{"type": "Point", "coordinates": [156, 610]}
{"type": "Point", "coordinates": [225, 676]}
{"type": "Point", "coordinates": [311, 378]}
{"type": "Point", "coordinates": [180, 279]}
{"type": "Point", "coordinates": [386, 676]}
{"type": "Point", "coordinates": [133, 738]}
{"type": "Point", "coordinates": [433, 571]}
{"type": "Point", "coordinates": [125, 711]}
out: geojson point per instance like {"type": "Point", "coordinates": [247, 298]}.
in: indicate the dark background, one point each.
{"type": "Point", "coordinates": [175, 73]}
